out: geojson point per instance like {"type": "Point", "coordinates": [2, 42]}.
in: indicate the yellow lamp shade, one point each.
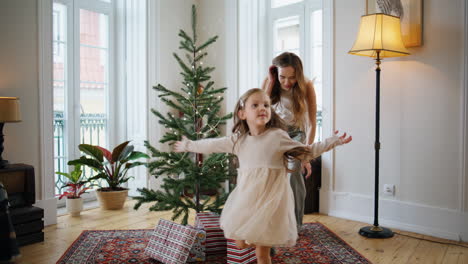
{"type": "Point", "coordinates": [9, 109]}
{"type": "Point", "coordinates": [379, 33]}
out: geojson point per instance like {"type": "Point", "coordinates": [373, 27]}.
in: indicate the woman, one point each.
{"type": "Point", "coordinates": [293, 99]}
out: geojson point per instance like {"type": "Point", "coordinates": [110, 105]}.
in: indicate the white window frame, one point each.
{"type": "Point", "coordinates": [119, 43]}
{"type": "Point", "coordinates": [72, 98]}
{"type": "Point", "coordinates": [302, 10]}
{"type": "Point", "coordinates": [253, 68]}
{"type": "Point", "coordinates": [73, 103]}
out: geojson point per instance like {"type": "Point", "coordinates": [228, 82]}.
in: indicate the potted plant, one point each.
{"type": "Point", "coordinates": [112, 167]}
{"type": "Point", "coordinates": [75, 189]}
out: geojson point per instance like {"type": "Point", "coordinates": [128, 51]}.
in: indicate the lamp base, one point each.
{"type": "Point", "coordinates": [375, 232]}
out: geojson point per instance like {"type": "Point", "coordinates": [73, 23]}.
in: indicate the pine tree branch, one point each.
{"type": "Point", "coordinates": [186, 69]}
{"type": "Point", "coordinates": [194, 23]}
{"type": "Point", "coordinates": [201, 56]}
{"type": "Point", "coordinates": [207, 43]}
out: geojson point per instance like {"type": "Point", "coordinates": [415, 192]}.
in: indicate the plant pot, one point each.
{"type": "Point", "coordinates": [74, 206]}
{"type": "Point", "coordinates": [112, 200]}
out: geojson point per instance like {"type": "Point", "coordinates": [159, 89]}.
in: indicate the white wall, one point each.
{"type": "Point", "coordinates": [421, 124]}
{"type": "Point", "coordinates": [211, 22]}
{"type": "Point", "coordinates": [19, 77]}
{"type": "Point", "coordinates": [166, 19]}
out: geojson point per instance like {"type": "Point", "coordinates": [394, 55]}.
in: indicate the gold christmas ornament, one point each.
{"type": "Point", "coordinates": [200, 89]}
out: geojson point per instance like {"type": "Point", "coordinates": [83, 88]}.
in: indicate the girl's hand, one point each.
{"type": "Point", "coordinates": [179, 145]}
{"type": "Point", "coordinates": [343, 138]}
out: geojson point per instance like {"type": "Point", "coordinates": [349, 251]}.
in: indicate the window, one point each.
{"type": "Point", "coordinates": [82, 78]}
{"type": "Point", "coordinates": [289, 25]}
{"type": "Point", "coordinates": [286, 35]}
{"type": "Point", "coordinates": [296, 27]}
{"type": "Point", "coordinates": [279, 3]}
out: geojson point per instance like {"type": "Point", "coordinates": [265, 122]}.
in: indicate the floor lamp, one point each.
{"type": "Point", "coordinates": [379, 37]}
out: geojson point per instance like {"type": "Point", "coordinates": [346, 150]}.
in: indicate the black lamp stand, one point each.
{"type": "Point", "coordinates": [376, 231]}
{"type": "Point", "coordinates": [3, 163]}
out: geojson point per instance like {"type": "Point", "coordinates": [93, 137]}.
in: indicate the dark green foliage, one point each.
{"type": "Point", "coordinates": [112, 167]}
{"type": "Point", "coordinates": [195, 114]}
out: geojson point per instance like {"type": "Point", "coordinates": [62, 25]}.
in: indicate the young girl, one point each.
{"type": "Point", "coordinates": [260, 210]}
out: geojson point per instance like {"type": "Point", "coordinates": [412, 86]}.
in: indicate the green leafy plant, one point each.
{"type": "Point", "coordinates": [112, 167]}
{"type": "Point", "coordinates": [75, 183]}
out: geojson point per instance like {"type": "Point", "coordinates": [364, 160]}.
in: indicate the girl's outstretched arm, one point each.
{"type": "Point", "coordinates": [206, 146]}
{"type": "Point", "coordinates": [315, 149]}
{"type": "Point", "coordinates": [328, 144]}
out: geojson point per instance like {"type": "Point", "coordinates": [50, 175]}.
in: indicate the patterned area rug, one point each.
{"type": "Point", "coordinates": [316, 244]}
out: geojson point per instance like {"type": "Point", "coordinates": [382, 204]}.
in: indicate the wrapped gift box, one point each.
{"type": "Point", "coordinates": [171, 242]}
{"type": "Point", "coordinates": [198, 250]}
{"type": "Point", "coordinates": [239, 256]}
{"type": "Point", "coordinates": [215, 240]}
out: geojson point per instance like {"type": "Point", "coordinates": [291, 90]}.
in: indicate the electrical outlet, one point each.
{"type": "Point", "coordinates": [389, 189]}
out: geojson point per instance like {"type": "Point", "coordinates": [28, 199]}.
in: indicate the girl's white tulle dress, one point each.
{"type": "Point", "coordinates": [260, 209]}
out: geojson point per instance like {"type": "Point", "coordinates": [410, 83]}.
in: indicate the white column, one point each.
{"type": "Point", "coordinates": [47, 199]}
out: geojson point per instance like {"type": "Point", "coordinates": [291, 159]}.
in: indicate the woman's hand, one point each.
{"type": "Point", "coordinates": [272, 74]}
{"type": "Point", "coordinates": [179, 146]}
{"type": "Point", "coordinates": [306, 168]}
{"type": "Point", "coordinates": [343, 138]}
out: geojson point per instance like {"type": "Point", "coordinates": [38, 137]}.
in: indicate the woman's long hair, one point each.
{"type": "Point", "coordinates": [241, 128]}
{"type": "Point", "coordinates": [286, 59]}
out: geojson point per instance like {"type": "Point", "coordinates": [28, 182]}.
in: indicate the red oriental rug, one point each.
{"type": "Point", "coordinates": [316, 244]}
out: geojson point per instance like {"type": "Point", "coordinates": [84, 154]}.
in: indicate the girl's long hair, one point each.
{"type": "Point", "coordinates": [241, 128]}
{"type": "Point", "coordinates": [286, 59]}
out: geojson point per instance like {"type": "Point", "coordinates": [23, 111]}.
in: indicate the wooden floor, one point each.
{"type": "Point", "coordinates": [399, 249]}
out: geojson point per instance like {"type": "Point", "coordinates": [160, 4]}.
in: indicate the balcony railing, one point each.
{"type": "Point", "coordinates": [318, 131]}
{"type": "Point", "coordinates": [92, 131]}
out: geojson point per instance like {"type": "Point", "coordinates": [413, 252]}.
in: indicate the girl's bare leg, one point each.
{"type": "Point", "coordinates": [263, 254]}
{"type": "Point", "coordinates": [242, 245]}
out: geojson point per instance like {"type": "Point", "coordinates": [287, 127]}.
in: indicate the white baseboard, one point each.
{"type": "Point", "coordinates": [418, 218]}
{"type": "Point", "coordinates": [50, 210]}
{"type": "Point", "coordinates": [464, 227]}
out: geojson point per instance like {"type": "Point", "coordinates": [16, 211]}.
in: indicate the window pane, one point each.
{"type": "Point", "coordinates": [94, 83]}
{"type": "Point", "coordinates": [286, 35]}
{"type": "Point", "coordinates": [60, 67]}
{"type": "Point", "coordinates": [278, 3]}
{"type": "Point", "coordinates": [94, 68]}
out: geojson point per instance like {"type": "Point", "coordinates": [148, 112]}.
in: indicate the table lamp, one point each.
{"type": "Point", "coordinates": [9, 112]}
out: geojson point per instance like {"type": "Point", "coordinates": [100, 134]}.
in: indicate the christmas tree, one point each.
{"type": "Point", "coordinates": [196, 109]}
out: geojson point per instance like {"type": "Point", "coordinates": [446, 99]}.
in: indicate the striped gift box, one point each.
{"type": "Point", "coordinates": [170, 242]}
{"type": "Point", "coordinates": [215, 240]}
{"type": "Point", "coordinates": [239, 256]}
